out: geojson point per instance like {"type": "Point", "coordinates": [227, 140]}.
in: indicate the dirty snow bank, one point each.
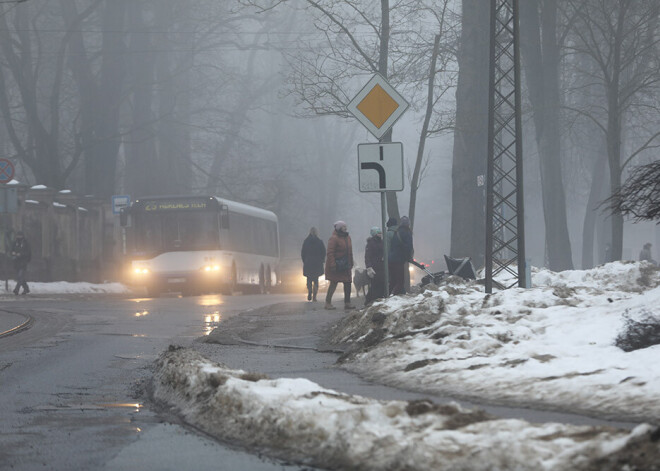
{"type": "Point", "coordinates": [551, 346]}
{"type": "Point", "coordinates": [298, 420]}
{"type": "Point", "coordinates": [65, 287]}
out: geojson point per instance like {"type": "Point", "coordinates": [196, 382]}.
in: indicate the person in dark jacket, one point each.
{"type": "Point", "coordinates": [645, 254]}
{"type": "Point", "coordinates": [21, 254]}
{"type": "Point", "coordinates": [400, 252]}
{"type": "Point", "coordinates": [313, 255]}
{"type": "Point", "coordinates": [338, 265]}
{"type": "Point", "coordinates": [373, 260]}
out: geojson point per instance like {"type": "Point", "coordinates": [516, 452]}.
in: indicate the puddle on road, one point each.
{"type": "Point", "coordinates": [91, 406]}
{"type": "Point", "coordinates": [210, 300]}
{"type": "Point", "coordinates": [211, 321]}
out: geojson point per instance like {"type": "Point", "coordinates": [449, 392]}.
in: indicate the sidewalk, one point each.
{"type": "Point", "coordinates": [10, 321]}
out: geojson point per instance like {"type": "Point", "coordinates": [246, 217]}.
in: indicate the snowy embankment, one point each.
{"type": "Point", "coordinates": [551, 346]}
{"type": "Point", "coordinates": [298, 420]}
{"type": "Point", "coordinates": [65, 287]}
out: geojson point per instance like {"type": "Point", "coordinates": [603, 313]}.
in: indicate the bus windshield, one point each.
{"type": "Point", "coordinates": [174, 231]}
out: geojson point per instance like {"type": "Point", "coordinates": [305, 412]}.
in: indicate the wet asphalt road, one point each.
{"type": "Point", "coordinates": [72, 386]}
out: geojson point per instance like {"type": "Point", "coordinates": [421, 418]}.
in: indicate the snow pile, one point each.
{"type": "Point", "coordinates": [298, 420]}
{"type": "Point", "coordinates": [551, 346]}
{"type": "Point", "coordinates": [65, 287]}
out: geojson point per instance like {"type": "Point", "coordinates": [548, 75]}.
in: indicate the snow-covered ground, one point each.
{"type": "Point", "coordinates": [296, 419]}
{"type": "Point", "coordinates": [65, 287]}
{"type": "Point", "coordinates": [549, 346]}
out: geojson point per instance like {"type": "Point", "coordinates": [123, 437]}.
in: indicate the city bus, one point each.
{"type": "Point", "coordinates": [196, 244]}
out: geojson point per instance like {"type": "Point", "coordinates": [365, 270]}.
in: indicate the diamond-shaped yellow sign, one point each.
{"type": "Point", "coordinates": [378, 106]}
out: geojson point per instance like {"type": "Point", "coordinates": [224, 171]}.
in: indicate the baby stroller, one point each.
{"type": "Point", "coordinates": [456, 266]}
{"type": "Point", "coordinates": [435, 278]}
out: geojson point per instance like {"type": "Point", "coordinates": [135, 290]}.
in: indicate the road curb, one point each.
{"type": "Point", "coordinates": [23, 326]}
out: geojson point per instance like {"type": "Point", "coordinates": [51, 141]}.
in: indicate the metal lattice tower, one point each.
{"type": "Point", "coordinates": [505, 230]}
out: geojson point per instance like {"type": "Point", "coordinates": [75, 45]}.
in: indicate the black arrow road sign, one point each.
{"type": "Point", "coordinates": [387, 161]}
{"type": "Point", "coordinates": [382, 182]}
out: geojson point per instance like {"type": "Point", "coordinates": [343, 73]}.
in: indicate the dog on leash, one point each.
{"type": "Point", "coordinates": [361, 281]}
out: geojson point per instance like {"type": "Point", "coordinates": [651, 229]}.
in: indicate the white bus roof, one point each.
{"type": "Point", "coordinates": [247, 209]}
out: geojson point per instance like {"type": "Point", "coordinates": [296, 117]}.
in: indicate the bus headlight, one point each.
{"type": "Point", "coordinates": [211, 268]}
{"type": "Point", "coordinates": [141, 271]}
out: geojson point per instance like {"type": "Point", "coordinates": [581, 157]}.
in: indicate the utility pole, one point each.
{"type": "Point", "coordinates": [505, 227]}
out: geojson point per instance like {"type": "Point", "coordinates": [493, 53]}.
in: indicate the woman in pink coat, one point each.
{"type": "Point", "coordinates": [338, 264]}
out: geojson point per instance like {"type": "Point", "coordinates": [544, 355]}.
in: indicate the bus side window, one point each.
{"type": "Point", "coordinates": [224, 217]}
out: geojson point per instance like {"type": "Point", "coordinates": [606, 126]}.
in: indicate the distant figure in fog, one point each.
{"type": "Point", "coordinates": [312, 254]}
{"type": "Point", "coordinates": [645, 254]}
{"type": "Point", "coordinates": [21, 254]}
{"type": "Point", "coordinates": [607, 257]}
{"type": "Point", "coordinates": [338, 264]}
{"type": "Point", "coordinates": [400, 252]}
{"type": "Point", "coordinates": [373, 260]}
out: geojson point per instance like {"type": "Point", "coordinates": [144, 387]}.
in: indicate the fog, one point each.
{"type": "Point", "coordinates": [247, 101]}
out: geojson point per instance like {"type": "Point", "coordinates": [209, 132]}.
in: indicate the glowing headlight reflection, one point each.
{"type": "Point", "coordinates": [211, 321]}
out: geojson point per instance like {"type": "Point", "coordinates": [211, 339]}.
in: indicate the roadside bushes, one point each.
{"type": "Point", "coordinates": [640, 331]}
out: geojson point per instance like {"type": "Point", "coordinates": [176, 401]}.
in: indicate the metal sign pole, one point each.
{"type": "Point", "coordinates": [386, 271]}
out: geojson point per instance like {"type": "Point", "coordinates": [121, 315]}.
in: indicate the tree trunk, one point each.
{"type": "Point", "coordinates": [591, 212]}
{"type": "Point", "coordinates": [470, 135]}
{"type": "Point", "coordinates": [110, 92]}
{"type": "Point", "coordinates": [143, 172]}
{"type": "Point", "coordinates": [173, 103]}
{"type": "Point", "coordinates": [414, 182]}
{"type": "Point", "coordinates": [100, 98]}
{"type": "Point", "coordinates": [614, 157]}
{"type": "Point", "coordinates": [383, 58]}
{"type": "Point", "coordinates": [541, 60]}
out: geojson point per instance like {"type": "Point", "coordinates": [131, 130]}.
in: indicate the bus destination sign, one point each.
{"type": "Point", "coordinates": [164, 205]}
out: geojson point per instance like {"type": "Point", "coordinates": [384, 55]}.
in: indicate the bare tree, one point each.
{"type": "Point", "coordinates": [621, 38]}
{"type": "Point", "coordinates": [438, 81]}
{"type": "Point", "coordinates": [99, 75]}
{"type": "Point", "coordinates": [639, 196]}
{"type": "Point", "coordinates": [540, 47]}
{"type": "Point", "coordinates": [470, 135]}
{"type": "Point", "coordinates": [31, 95]}
{"type": "Point", "coordinates": [359, 38]}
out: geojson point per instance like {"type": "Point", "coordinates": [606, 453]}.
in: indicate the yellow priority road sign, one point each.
{"type": "Point", "coordinates": [378, 106]}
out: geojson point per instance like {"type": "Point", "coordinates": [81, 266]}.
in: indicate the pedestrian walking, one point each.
{"type": "Point", "coordinates": [338, 264]}
{"type": "Point", "coordinates": [373, 260]}
{"type": "Point", "coordinates": [313, 255]}
{"type": "Point", "coordinates": [645, 254]}
{"type": "Point", "coordinates": [400, 252]}
{"type": "Point", "coordinates": [21, 254]}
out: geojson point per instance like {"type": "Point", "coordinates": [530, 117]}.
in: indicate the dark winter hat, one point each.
{"type": "Point", "coordinates": [405, 221]}
{"type": "Point", "coordinates": [391, 222]}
